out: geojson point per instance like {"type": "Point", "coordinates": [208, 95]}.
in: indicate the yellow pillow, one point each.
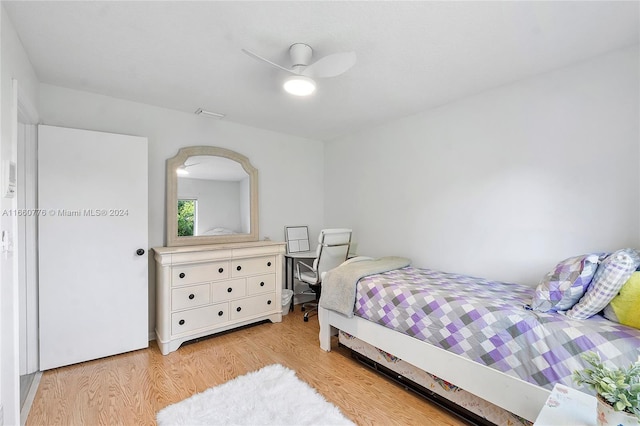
{"type": "Point", "coordinates": [625, 307]}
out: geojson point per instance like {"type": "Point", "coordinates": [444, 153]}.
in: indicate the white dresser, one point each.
{"type": "Point", "coordinates": [202, 290]}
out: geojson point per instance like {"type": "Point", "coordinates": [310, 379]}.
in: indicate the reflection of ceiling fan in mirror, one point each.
{"type": "Point", "coordinates": [182, 170]}
{"type": "Point", "coordinates": [211, 167]}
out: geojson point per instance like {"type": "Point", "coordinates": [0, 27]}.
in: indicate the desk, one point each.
{"type": "Point", "coordinates": [568, 407]}
{"type": "Point", "coordinates": [289, 260]}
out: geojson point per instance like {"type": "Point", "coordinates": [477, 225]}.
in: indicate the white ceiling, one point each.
{"type": "Point", "coordinates": [411, 55]}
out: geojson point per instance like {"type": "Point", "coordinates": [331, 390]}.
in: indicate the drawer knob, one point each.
{"type": "Point", "coordinates": [220, 313]}
{"type": "Point", "coordinates": [238, 268]}
{"type": "Point", "coordinates": [261, 283]}
{"type": "Point", "coordinates": [191, 296]}
{"type": "Point", "coordinates": [181, 322]}
{"type": "Point", "coordinates": [268, 302]}
{"type": "Point", "coordinates": [221, 270]}
{"type": "Point", "coordinates": [229, 290]}
{"type": "Point", "coordinates": [268, 263]}
{"type": "Point", "coordinates": [238, 309]}
{"type": "Point", "coordinates": [182, 275]}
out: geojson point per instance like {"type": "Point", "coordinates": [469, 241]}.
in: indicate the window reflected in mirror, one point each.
{"type": "Point", "coordinates": [187, 218]}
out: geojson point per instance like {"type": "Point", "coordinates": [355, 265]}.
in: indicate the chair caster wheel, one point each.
{"type": "Point", "coordinates": [306, 319]}
{"type": "Point", "coordinates": [302, 309]}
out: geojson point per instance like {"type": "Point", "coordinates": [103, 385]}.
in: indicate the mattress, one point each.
{"type": "Point", "coordinates": [489, 323]}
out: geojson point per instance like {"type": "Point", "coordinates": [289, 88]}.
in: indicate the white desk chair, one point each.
{"type": "Point", "coordinates": [333, 249]}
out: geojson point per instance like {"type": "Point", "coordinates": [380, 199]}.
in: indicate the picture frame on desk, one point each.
{"type": "Point", "coordinates": [297, 238]}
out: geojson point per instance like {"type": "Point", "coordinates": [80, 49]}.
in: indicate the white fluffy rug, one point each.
{"type": "Point", "coordinates": [272, 395]}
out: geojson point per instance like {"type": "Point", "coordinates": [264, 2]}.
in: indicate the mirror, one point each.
{"type": "Point", "coordinates": [212, 197]}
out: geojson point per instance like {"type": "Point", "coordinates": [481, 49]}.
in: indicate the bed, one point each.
{"type": "Point", "coordinates": [483, 336]}
{"type": "Point", "coordinates": [219, 231]}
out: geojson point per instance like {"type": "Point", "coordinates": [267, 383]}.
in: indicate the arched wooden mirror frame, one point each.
{"type": "Point", "coordinates": [172, 198]}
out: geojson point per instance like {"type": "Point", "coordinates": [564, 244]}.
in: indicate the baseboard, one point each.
{"type": "Point", "coordinates": [31, 395]}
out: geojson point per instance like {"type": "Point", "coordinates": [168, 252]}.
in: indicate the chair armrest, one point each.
{"type": "Point", "coordinates": [306, 266]}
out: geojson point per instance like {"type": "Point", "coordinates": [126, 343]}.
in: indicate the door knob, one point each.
{"type": "Point", "coordinates": [140, 252]}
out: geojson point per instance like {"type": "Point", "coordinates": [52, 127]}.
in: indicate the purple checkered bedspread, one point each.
{"type": "Point", "coordinates": [486, 321]}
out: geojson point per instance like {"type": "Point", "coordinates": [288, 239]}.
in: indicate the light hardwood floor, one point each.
{"type": "Point", "coordinates": [129, 389]}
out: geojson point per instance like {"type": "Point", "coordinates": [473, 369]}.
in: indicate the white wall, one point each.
{"type": "Point", "coordinates": [290, 169]}
{"type": "Point", "coordinates": [15, 65]}
{"type": "Point", "coordinates": [503, 184]}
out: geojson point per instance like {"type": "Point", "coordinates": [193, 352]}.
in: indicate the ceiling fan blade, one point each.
{"type": "Point", "coordinates": [260, 58]}
{"type": "Point", "coordinates": [331, 65]}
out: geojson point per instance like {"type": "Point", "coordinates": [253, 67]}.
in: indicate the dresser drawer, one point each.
{"type": "Point", "coordinates": [258, 265]}
{"type": "Point", "coordinates": [252, 305]}
{"type": "Point", "coordinates": [190, 297]}
{"type": "Point", "coordinates": [196, 287]}
{"type": "Point", "coordinates": [261, 284]}
{"type": "Point", "coordinates": [191, 274]}
{"type": "Point", "coordinates": [207, 316]}
{"type": "Point", "coordinates": [228, 290]}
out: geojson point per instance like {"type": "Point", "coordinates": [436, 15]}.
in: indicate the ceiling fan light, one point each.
{"type": "Point", "coordinates": [299, 85]}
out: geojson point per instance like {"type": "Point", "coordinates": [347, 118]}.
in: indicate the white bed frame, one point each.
{"type": "Point", "coordinates": [513, 394]}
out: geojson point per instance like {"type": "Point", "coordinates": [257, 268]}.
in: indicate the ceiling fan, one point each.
{"type": "Point", "coordinates": [303, 72]}
{"type": "Point", "coordinates": [182, 169]}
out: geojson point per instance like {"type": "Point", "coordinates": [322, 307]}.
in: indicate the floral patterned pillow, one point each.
{"type": "Point", "coordinates": [561, 288]}
{"type": "Point", "coordinates": [612, 274]}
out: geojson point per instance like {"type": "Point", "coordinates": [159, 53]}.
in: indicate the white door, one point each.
{"type": "Point", "coordinates": [93, 280]}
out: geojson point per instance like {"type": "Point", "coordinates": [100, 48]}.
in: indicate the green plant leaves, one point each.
{"type": "Point", "coordinates": [618, 386]}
